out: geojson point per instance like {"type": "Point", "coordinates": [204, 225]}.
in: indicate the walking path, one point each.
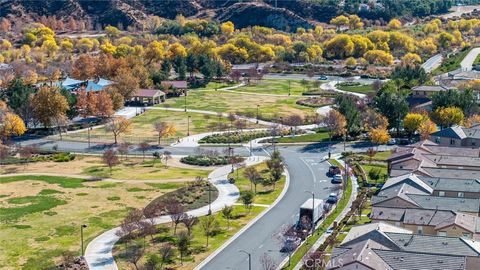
{"type": "Point", "coordinates": [432, 63]}
{"type": "Point", "coordinates": [467, 62]}
{"type": "Point", "coordinates": [332, 87]}
{"type": "Point", "coordinates": [98, 253]}
{"type": "Point", "coordinates": [344, 212]}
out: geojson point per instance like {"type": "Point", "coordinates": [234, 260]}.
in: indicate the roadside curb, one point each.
{"type": "Point", "coordinates": [246, 227]}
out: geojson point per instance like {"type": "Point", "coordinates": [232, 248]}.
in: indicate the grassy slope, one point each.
{"type": "Point", "coordinates": [363, 89]}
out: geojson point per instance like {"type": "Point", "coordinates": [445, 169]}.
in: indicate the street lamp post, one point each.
{"type": "Point", "coordinates": [89, 129]}
{"type": "Point", "coordinates": [313, 208]}
{"type": "Point", "coordinates": [188, 125]}
{"type": "Point", "coordinates": [209, 198]}
{"type": "Point", "coordinates": [185, 95]}
{"type": "Point", "coordinates": [81, 236]}
{"type": "Point", "coordinates": [249, 258]}
{"type": "Point", "coordinates": [257, 112]}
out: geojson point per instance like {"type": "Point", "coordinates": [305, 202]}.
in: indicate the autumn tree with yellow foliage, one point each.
{"type": "Point", "coordinates": [119, 125]}
{"type": "Point", "coordinates": [164, 129]}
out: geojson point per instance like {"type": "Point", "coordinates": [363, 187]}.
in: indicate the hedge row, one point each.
{"type": "Point", "coordinates": [202, 160]}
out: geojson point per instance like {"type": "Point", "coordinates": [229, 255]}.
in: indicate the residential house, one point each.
{"type": "Point", "coordinates": [430, 159]}
{"type": "Point", "coordinates": [425, 91]}
{"type": "Point", "coordinates": [384, 246]}
{"type": "Point", "coordinates": [458, 136]}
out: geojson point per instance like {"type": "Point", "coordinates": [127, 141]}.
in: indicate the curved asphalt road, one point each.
{"type": "Point", "coordinates": [307, 172]}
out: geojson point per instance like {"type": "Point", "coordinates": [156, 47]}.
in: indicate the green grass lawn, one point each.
{"type": "Point", "coordinates": [147, 170]}
{"type": "Point", "coordinates": [279, 87]}
{"type": "Point", "coordinates": [198, 249]}
{"type": "Point", "coordinates": [322, 136]}
{"type": "Point", "coordinates": [368, 167]}
{"type": "Point", "coordinates": [265, 194]}
{"type": "Point", "coordinates": [379, 156]}
{"type": "Point", "coordinates": [362, 88]}
{"type": "Point", "coordinates": [270, 107]}
{"type": "Point", "coordinates": [40, 216]}
{"type": "Point", "coordinates": [214, 85]}
{"type": "Point", "coordinates": [143, 126]}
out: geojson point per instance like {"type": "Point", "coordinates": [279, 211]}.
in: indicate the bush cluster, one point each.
{"type": "Point", "coordinates": [234, 137]}
{"type": "Point", "coordinates": [203, 160]}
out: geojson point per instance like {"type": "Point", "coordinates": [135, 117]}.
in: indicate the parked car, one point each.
{"type": "Point", "coordinates": [392, 141]}
{"type": "Point", "coordinates": [332, 198]}
{"type": "Point", "coordinates": [290, 244]}
{"type": "Point", "coordinates": [337, 179]}
{"type": "Point", "coordinates": [334, 170]}
{"type": "Point", "coordinates": [322, 78]}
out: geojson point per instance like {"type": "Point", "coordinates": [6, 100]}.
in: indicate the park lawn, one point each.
{"type": "Point", "coordinates": [379, 156]}
{"type": "Point", "coordinates": [211, 86]}
{"type": "Point", "coordinates": [362, 88]}
{"type": "Point", "coordinates": [270, 107]}
{"type": "Point", "coordinates": [265, 194]}
{"type": "Point", "coordinates": [368, 167]}
{"type": "Point", "coordinates": [143, 127]}
{"type": "Point", "coordinates": [308, 138]}
{"type": "Point", "coordinates": [41, 216]}
{"type": "Point", "coordinates": [198, 249]}
{"type": "Point", "coordinates": [147, 170]}
{"type": "Point", "coordinates": [277, 87]}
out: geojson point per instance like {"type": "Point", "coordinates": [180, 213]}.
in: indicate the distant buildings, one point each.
{"type": "Point", "coordinates": [387, 247]}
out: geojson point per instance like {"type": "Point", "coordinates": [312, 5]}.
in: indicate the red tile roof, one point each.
{"type": "Point", "coordinates": [148, 93]}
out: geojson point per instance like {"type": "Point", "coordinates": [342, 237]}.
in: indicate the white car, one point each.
{"type": "Point", "coordinates": [337, 178]}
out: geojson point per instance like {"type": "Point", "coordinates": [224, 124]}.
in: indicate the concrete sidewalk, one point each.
{"type": "Point", "coordinates": [98, 253]}
{"type": "Point", "coordinates": [332, 87]}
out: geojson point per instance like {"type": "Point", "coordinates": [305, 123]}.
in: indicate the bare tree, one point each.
{"type": "Point", "coordinates": [183, 244]}
{"type": "Point", "coordinates": [267, 262]}
{"type": "Point", "coordinates": [189, 221]}
{"type": "Point", "coordinates": [227, 212]}
{"type": "Point", "coordinates": [110, 158]}
{"type": "Point", "coordinates": [208, 223]}
{"type": "Point", "coordinates": [123, 149]}
{"type": "Point", "coordinates": [166, 253]}
{"type": "Point", "coordinates": [134, 255]}
{"type": "Point", "coordinates": [166, 156]}
{"type": "Point", "coordinates": [176, 212]}
{"type": "Point", "coordinates": [144, 146]}
{"type": "Point", "coordinates": [254, 176]}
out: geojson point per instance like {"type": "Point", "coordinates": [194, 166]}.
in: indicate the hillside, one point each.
{"type": "Point", "coordinates": [281, 14]}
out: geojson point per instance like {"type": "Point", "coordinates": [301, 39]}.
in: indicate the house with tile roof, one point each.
{"type": "Point", "coordinates": [383, 246]}
{"type": "Point", "coordinates": [430, 159]}
{"type": "Point", "coordinates": [458, 136]}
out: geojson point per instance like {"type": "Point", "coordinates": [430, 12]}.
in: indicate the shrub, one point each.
{"type": "Point", "coordinates": [202, 160]}
{"type": "Point", "coordinates": [375, 173]}
{"type": "Point", "coordinates": [238, 137]}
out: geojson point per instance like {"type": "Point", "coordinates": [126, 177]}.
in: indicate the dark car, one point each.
{"type": "Point", "coordinates": [332, 198]}
{"type": "Point", "coordinates": [322, 78]}
{"type": "Point", "coordinates": [334, 170]}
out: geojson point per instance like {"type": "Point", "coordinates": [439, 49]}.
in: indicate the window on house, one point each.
{"type": "Point", "coordinates": [474, 143]}
{"type": "Point", "coordinates": [441, 193]}
{"type": "Point", "coordinates": [467, 235]}
{"type": "Point", "coordinates": [420, 229]}
{"type": "Point", "coordinates": [461, 194]}
{"type": "Point", "coordinates": [442, 233]}
{"type": "Point", "coordinates": [452, 142]}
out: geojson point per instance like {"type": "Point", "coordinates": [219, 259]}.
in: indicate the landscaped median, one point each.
{"type": "Point", "coordinates": [326, 223]}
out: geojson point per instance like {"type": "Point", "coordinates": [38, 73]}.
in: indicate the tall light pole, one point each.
{"type": "Point", "coordinates": [313, 208]}
{"type": "Point", "coordinates": [185, 94]}
{"type": "Point", "coordinates": [249, 258]}
{"type": "Point", "coordinates": [257, 112]}
{"type": "Point", "coordinates": [81, 236]}
{"type": "Point", "coordinates": [188, 125]}
{"type": "Point", "coordinates": [209, 198]}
